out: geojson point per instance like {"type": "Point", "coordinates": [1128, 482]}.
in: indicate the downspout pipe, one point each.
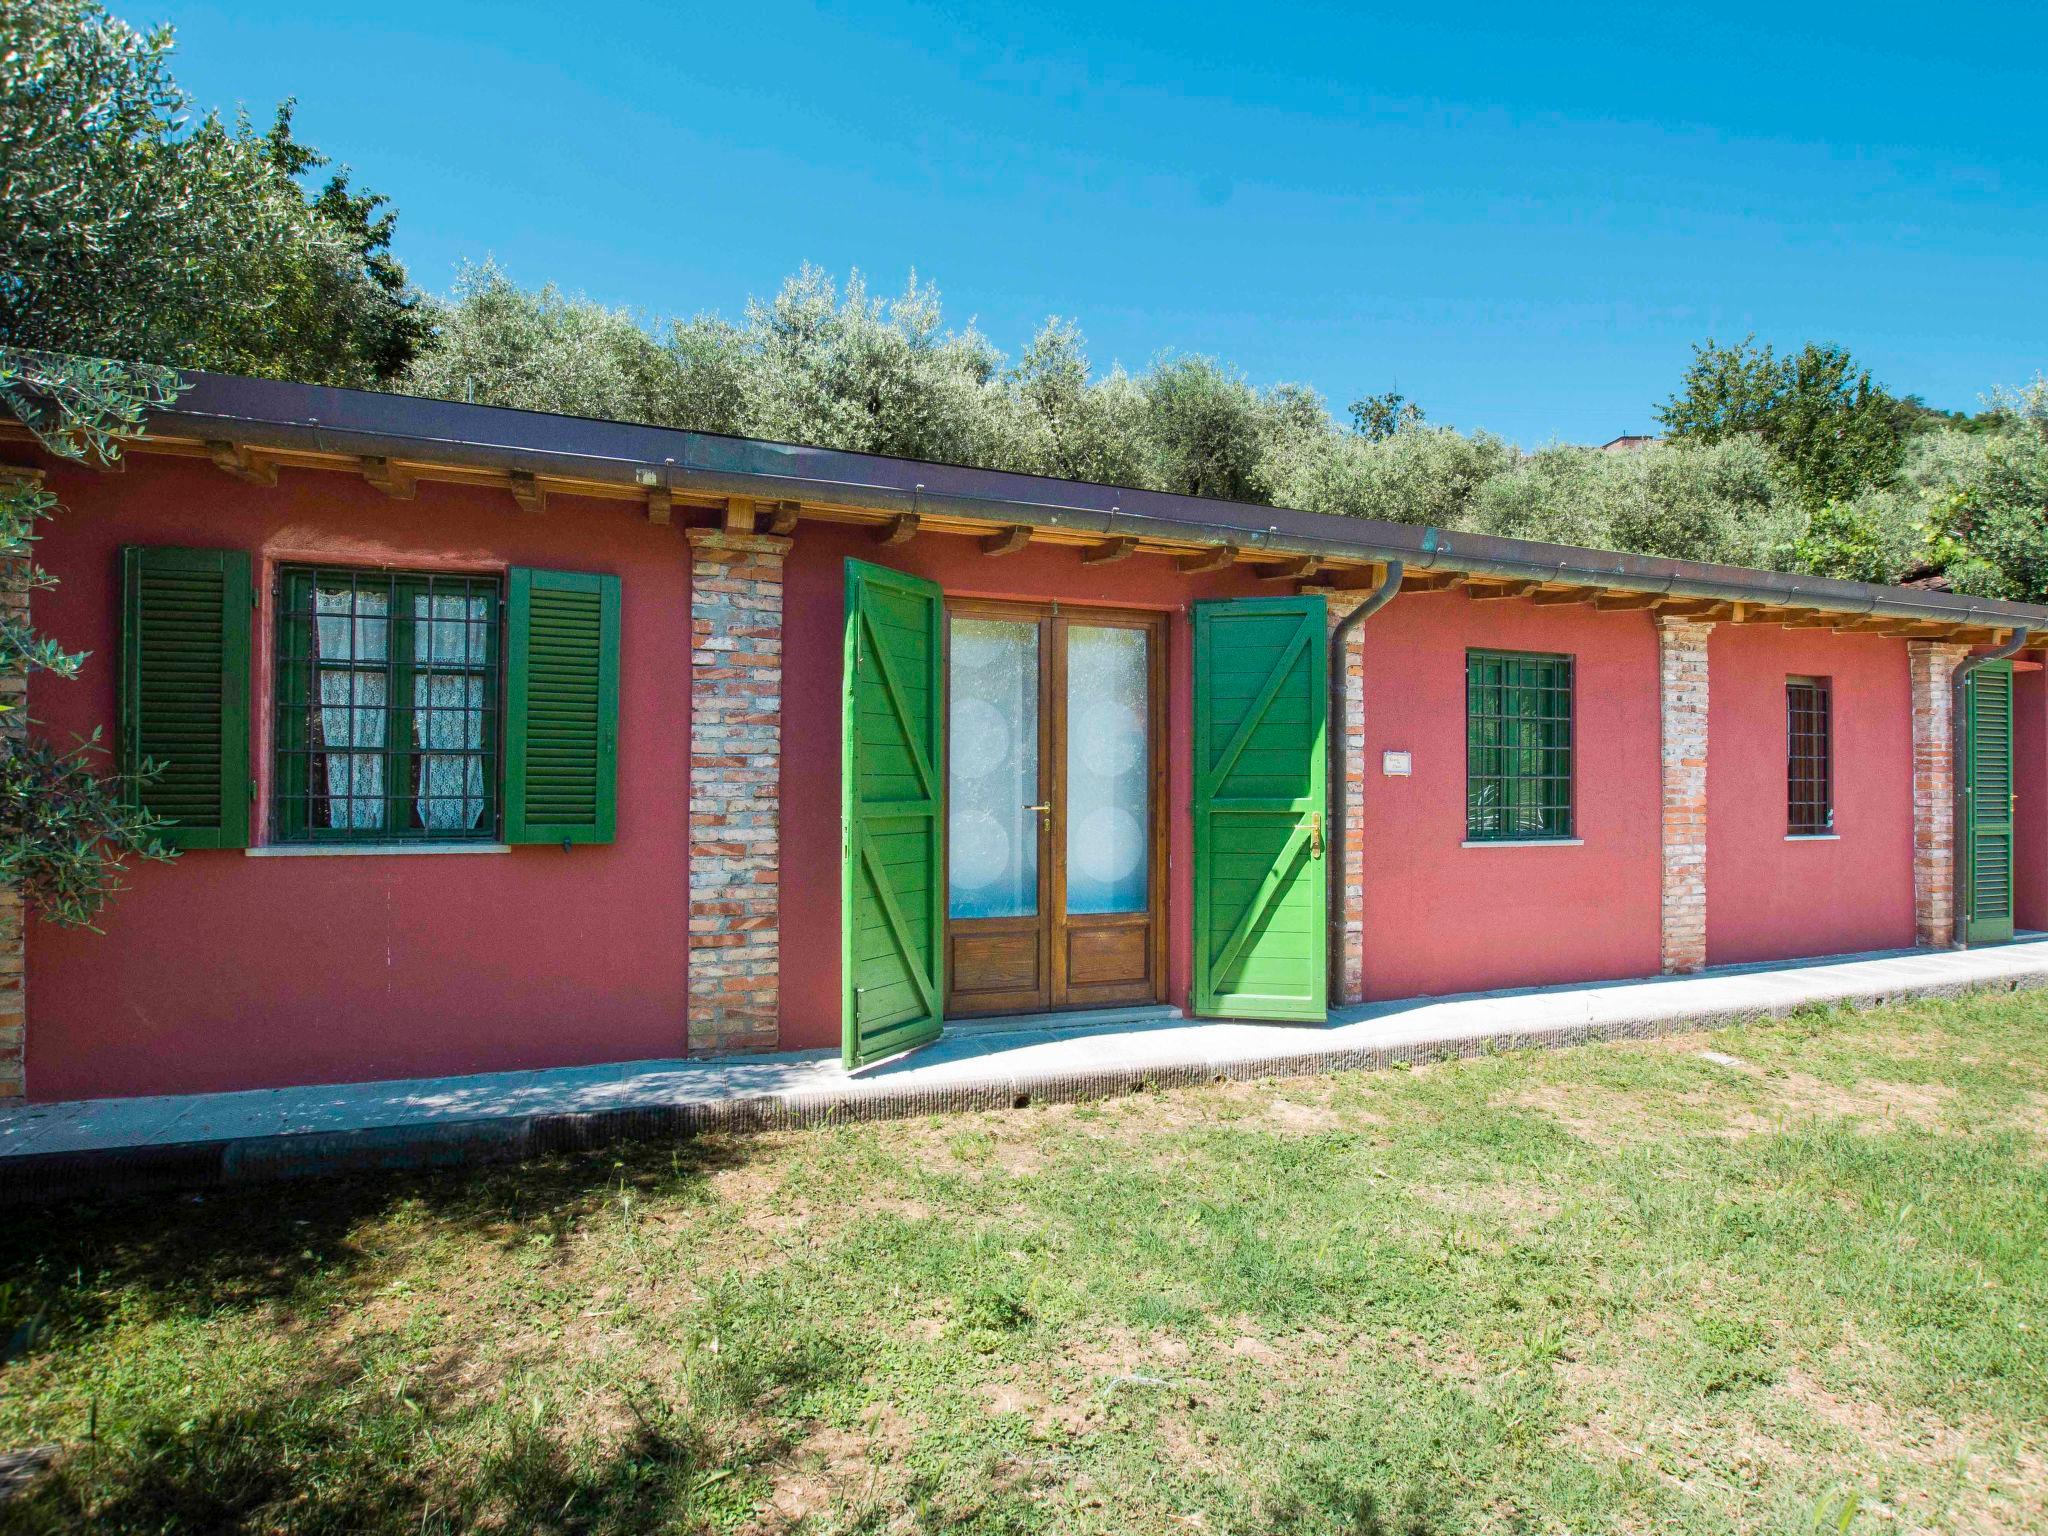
{"type": "Point", "coordinates": [1959, 771]}
{"type": "Point", "coordinates": [1384, 593]}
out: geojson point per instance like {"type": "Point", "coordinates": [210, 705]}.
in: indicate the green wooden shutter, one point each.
{"type": "Point", "coordinates": [893, 887]}
{"type": "Point", "coordinates": [1261, 899]}
{"type": "Point", "coordinates": [186, 618]}
{"type": "Point", "coordinates": [561, 707]}
{"type": "Point", "coordinates": [1987, 801]}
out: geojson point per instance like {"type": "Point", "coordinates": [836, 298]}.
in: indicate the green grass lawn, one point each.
{"type": "Point", "coordinates": [1618, 1288]}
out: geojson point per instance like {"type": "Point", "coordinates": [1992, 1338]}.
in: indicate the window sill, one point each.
{"type": "Point", "coordinates": [1813, 837]}
{"type": "Point", "coordinates": [367, 850]}
{"type": "Point", "coordinates": [1523, 842]}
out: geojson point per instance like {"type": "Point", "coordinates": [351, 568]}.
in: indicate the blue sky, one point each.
{"type": "Point", "coordinates": [1520, 216]}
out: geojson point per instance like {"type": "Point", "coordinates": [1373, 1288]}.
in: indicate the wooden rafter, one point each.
{"type": "Point", "coordinates": [738, 514]}
{"type": "Point", "coordinates": [1006, 541]}
{"type": "Point", "coordinates": [390, 479]}
{"type": "Point", "coordinates": [234, 459]}
{"type": "Point", "coordinates": [782, 521]}
{"type": "Point", "coordinates": [1695, 608]}
{"type": "Point", "coordinates": [660, 506]}
{"type": "Point", "coordinates": [1625, 602]}
{"type": "Point", "coordinates": [900, 529]}
{"type": "Point", "coordinates": [528, 491]}
{"type": "Point", "coordinates": [1431, 581]}
{"type": "Point", "coordinates": [1291, 570]}
{"type": "Point", "coordinates": [1559, 597]}
{"type": "Point", "coordinates": [1492, 591]}
{"type": "Point", "coordinates": [1109, 551]}
{"type": "Point", "coordinates": [1220, 558]}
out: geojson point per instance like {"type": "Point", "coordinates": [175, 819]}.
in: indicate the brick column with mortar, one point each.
{"type": "Point", "coordinates": [1347, 914]}
{"type": "Point", "coordinates": [1682, 720]}
{"type": "Point", "coordinates": [735, 783]}
{"type": "Point", "coordinates": [14, 592]}
{"type": "Point", "coordinates": [1931, 665]}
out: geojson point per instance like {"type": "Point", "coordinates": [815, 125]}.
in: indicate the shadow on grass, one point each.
{"type": "Point", "coordinates": [78, 1263]}
{"type": "Point", "coordinates": [313, 1461]}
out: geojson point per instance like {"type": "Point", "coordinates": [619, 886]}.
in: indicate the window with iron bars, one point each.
{"type": "Point", "coordinates": [386, 706]}
{"type": "Point", "coordinates": [1809, 757]}
{"type": "Point", "coordinates": [1518, 746]}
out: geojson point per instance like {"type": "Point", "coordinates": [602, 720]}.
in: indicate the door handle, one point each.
{"type": "Point", "coordinates": [1038, 807]}
{"type": "Point", "coordinates": [1315, 835]}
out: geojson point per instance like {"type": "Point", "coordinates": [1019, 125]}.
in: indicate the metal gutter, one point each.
{"type": "Point", "coordinates": [266, 413]}
{"type": "Point", "coordinates": [1962, 800]}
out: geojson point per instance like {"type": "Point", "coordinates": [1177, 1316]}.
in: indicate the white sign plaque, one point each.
{"type": "Point", "coordinates": [1397, 765]}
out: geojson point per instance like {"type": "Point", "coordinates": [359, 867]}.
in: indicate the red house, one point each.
{"type": "Point", "coordinates": [501, 740]}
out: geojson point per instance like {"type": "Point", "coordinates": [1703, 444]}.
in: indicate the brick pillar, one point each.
{"type": "Point", "coordinates": [735, 783]}
{"type": "Point", "coordinates": [1347, 793]}
{"type": "Point", "coordinates": [1931, 664]}
{"type": "Point", "coordinates": [13, 939]}
{"type": "Point", "coordinates": [1682, 716]}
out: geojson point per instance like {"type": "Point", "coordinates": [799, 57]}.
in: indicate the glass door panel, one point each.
{"type": "Point", "coordinates": [992, 799]}
{"type": "Point", "coordinates": [1108, 809]}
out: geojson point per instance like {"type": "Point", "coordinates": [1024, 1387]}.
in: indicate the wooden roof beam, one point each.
{"type": "Point", "coordinates": [1554, 597]}
{"type": "Point", "coordinates": [1625, 602]}
{"type": "Point", "coordinates": [1220, 558]}
{"type": "Point", "coordinates": [237, 460]}
{"type": "Point", "coordinates": [900, 529]}
{"type": "Point", "coordinates": [528, 491]}
{"type": "Point", "coordinates": [1291, 570]}
{"type": "Point", "coordinates": [1696, 608]}
{"type": "Point", "coordinates": [1431, 581]}
{"type": "Point", "coordinates": [399, 484]}
{"type": "Point", "coordinates": [1006, 541]}
{"type": "Point", "coordinates": [1109, 551]}
{"type": "Point", "coordinates": [1494, 591]}
{"type": "Point", "coordinates": [738, 514]}
{"type": "Point", "coordinates": [782, 521]}
{"type": "Point", "coordinates": [660, 507]}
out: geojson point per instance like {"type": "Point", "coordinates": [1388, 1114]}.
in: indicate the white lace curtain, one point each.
{"type": "Point", "coordinates": [450, 647]}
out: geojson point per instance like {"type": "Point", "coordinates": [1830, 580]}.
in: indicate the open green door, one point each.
{"type": "Point", "coordinates": [1987, 804]}
{"type": "Point", "coordinates": [893, 889]}
{"type": "Point", "coordinates": [1260, 893]}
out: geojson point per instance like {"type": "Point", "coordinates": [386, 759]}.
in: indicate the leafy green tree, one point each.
{"type": "Point", "coordinates": [1836, 431]}
{"type": "Point", "coordinates": [1069, 423]}
{"type": "Point", "coordinates": [1380, 416]}
{"type": "Point", "coordinates": [1203, 427]}
{"type": "Point", "coordinates": [1728, 501]}
{"type": "Point", "coordinates": [127, 230]}
{"type": "Point", "coordinates": [71, 826]}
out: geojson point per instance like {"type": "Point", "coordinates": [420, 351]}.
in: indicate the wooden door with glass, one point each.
{"type": "Point", "coordinates": [1056, 763]}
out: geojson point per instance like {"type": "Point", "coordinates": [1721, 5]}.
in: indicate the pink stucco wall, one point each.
{"type": "Point", "coordinates": [1773, 899]}
{"type": "Point", "coordinates": [1441, 917]}
{"type": "Point", "coordinates": [2030, 804]}
{"type": "Point", "coordinates": [227, 971]}
{"type": "Point", "coordinates": [231, 971]}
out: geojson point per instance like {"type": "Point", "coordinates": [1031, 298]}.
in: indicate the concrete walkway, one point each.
{"type": "Point", "coordinates": [49, 1150]}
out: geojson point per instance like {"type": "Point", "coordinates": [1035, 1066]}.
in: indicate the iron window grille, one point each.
{"type": "Point", "coordinates": [1518, 746]}
{"type": "Point", "coordinates": [387, 706]}
{"type": "Point", "coordinates": [1809, 757]}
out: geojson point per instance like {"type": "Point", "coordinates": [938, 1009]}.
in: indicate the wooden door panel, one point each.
{"type": "Point", "coordinates": [1260, 895]}
{"type": "Point", "coordinates": [892, 896]}
{"type": "Point", "coordinates": [1055, 959]}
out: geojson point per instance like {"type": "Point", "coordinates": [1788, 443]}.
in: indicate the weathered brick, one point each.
{"type": "Point", "coordinates": [1682, 719]}
{"type": "Point", "coordinates": [735, 770]}
{"type": "Point", "coordinates": [1931, 666]}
